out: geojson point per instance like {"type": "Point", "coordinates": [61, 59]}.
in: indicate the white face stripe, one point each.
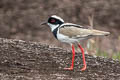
{"type": "Point", "coordinates": [52, 27]}
{"type": "Point", "coordinates": [57, 17]}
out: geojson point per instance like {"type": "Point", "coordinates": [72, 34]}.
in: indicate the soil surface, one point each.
{"type": "Point", "coordinates": [20, 60]}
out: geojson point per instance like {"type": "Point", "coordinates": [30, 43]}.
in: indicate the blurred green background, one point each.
{"type": "Point", "coordinates": [21, 19]}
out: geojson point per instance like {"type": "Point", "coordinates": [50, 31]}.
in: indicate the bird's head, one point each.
{"type": "Point", "coordinates": [54, 21]}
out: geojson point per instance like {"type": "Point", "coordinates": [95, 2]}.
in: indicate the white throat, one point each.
{"type": "Point", "coordinates": [52, 27]}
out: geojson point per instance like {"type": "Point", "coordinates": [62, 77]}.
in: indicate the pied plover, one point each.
{"type": "Point", "coordinates": [71, 33]}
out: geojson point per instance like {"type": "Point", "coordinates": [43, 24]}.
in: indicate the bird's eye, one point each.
{"type": "Point", "coordinates": [53, 20]}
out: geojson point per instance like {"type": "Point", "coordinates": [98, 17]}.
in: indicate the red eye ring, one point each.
{"type": "Point", "coordinates": [53, 20]}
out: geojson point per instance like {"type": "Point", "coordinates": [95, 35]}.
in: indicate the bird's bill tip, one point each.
{"type": "Point", "coordinates": [43, 23]}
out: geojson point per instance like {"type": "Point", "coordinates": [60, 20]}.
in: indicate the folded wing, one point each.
{"type": "Point", "coordinates": [77, 32]}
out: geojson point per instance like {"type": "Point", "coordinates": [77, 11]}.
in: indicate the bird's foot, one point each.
{"type": "Point", "coordinates": [71, 68]}
{"type": "Point", "coordinates": [84, 68]}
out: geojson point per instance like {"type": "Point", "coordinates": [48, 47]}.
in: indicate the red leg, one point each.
{"type": "Point", "coordinates": [84, 62]}
{"type": "Point", "coordinates": [73, 57]}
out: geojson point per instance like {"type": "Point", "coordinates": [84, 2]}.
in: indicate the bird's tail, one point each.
{"type": "Point", "coordinates": [99, 33]}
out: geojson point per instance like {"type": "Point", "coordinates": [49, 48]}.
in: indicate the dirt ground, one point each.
{"type": "Point", "coordinates": [20, 60]}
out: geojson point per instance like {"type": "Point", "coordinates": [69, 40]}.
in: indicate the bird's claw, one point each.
{"type": "Point", "coordinates": [84, 68]}
{"type": "Point", "coordinates": [68, 68]}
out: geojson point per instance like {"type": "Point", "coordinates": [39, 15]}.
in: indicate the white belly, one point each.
{"type": "Point", "coordinates": [66, 39]}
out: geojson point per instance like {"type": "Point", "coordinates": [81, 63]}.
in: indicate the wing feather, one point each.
{"type": "Point", "coordinates": [74, 31]}
{"type": "Point", "coordinates": [77, 32]}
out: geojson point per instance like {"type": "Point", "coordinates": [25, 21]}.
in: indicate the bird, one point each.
{"type": "Point", "coordinates": [72, 34]}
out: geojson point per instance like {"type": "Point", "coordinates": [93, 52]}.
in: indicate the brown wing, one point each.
{"type": "Point", "coordinates": [75, 32]}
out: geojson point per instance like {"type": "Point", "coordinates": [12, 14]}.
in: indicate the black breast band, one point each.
{"type": "Point", "coordinates": [55, 32]}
